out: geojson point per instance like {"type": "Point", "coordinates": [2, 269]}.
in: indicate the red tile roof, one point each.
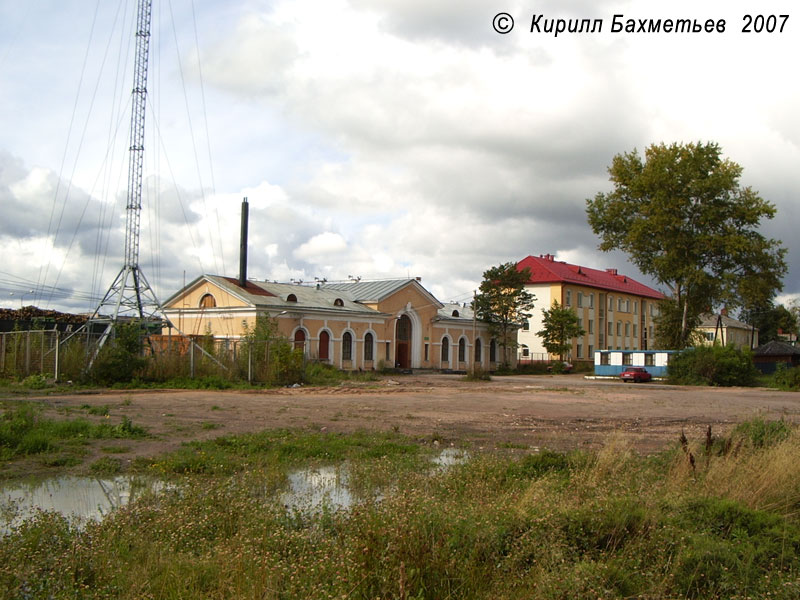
{"type": "Point", "coordinates": [249, 287]}
{"type": "Point", "coordinates": [545, 269]}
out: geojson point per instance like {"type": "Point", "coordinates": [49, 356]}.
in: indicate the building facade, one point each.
{"type": "Point", "coordinates": [724, 330]}
{"type": "Point", "coordinates": [615, 311]}
{"type": "Point", "coordinates": [355, 325]}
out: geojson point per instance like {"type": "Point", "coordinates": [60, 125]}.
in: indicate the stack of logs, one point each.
{"type": "Point", "coordinates": [28, 314]}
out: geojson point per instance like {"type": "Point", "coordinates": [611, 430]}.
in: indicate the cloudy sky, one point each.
{"type": "Point", "coordinates": [373, 138]}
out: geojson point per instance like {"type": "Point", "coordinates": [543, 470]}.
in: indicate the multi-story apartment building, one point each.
{"type": "Point", "coordinates": [615, 311]}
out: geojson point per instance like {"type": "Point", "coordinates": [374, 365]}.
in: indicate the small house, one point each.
{"type": "Point", "coordinates": [768, 356]}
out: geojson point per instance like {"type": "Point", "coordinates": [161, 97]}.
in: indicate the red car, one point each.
{"type": "Point", "coordinates": [635, 374]}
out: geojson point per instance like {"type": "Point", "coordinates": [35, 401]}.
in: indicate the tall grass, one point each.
{"type": "Point", "coordinates": [606, 525]}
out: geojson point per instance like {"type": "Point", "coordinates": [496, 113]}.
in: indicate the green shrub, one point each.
{"type": "Point", "coordinates": [120, 359]}
{"type": "Point", "coordinates": [787, 379]}
{"type": "Point", "coordinates": [287, 363]}
{"type": "Point", "coordinates": [35, 382]}
{"type": "Point", "coordinates": [323, 374]}
{"type": "Point", "coordinates": [713, 365]}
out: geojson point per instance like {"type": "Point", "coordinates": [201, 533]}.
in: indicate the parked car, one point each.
{"type": "Point", "coordinates": [635, 374]}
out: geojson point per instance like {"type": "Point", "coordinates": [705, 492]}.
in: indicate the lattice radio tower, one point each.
{"type": "Point", "coordinates": [131, 295]}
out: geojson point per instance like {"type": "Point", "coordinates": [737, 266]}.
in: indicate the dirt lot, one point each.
{"type": "Point", "coordinates": [526, 412]}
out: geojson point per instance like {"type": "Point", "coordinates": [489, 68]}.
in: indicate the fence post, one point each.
{"type": "Point", "coordinates": [191, 359]}
{"type": "Point", "coordinates": [27, 353]}
{"type": "Point", "coordinates": [55, 365]}
{"type": "Point", "coordinates": [250, 362]}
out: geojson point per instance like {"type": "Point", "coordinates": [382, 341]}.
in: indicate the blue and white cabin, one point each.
{"type": "Point", "coordinates": [610, 363]}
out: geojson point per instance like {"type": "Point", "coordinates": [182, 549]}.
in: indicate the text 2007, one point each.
{"type": "Point", "coordinates": [762, 23]}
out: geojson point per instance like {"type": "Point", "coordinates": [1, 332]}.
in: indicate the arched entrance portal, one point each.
{"type": "Point", "coordinates": [402, 338]}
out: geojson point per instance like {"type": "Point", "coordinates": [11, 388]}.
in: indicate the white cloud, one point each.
{"type": "Point", "coordinates": [379, 139]}
{"type": "Point", "coordinates": [321, 247]}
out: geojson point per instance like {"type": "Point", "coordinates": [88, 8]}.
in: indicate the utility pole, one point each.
{"type": "Point", "coordinates": [474, 340]}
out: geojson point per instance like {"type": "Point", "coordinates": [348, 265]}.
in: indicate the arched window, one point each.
{"type": "Point", "coordinates": [291, 298]}
{"type": "Point", "coordinates": [338, 302]}
{"type": "Point", "coordinates": [324, 344]}
{"type": "Point", "coordinates": [208, 301]}
{"type": "Point", "coordinates": [347, 346]}
{"type": "Point", "coordinates": [478, 350]}
{"type": "Point", "coordinates": [369, 351]}
{"type": "Point", "coordinates": [300, 339]}
{"type": "Point", "coordinates": [462, 350]}
{"type": "Point", "coordinates": [455, 313]}
{"type": "Point", "coordinates": [492, 351]}
{"type": "Point", "coordinates": [445, 350]}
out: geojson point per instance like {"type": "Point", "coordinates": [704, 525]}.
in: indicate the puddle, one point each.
{"type": "Point", "coordinates": [312, 489]}
{"type": "Point", "coordinates": [79, 498]}
{"type": "Point", "coordinates": [450, 457]}
{"type": "Point", "coordinates": [85, 498]}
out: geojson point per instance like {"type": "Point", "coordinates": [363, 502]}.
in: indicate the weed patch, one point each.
{"type": "Point", "coordinates": [233, 454]}
{"type": "Point", "coordinates": [24, 432]}
{"type": "Point", "coordinates": [106, 466]}
{"type": "Point", "coordinates": [761, 433]}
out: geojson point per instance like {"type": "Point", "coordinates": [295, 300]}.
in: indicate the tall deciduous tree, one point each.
{"type": "Point", "coordinates": [770, 320]}
{"type": "Point", "coordinates": [560, 327]}
{"type": "Point", "coordinates": [504, 303]}
{"type": "Point", "coordinates": [682, 217]}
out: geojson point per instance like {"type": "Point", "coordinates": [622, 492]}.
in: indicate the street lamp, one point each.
{"type": "Point", "coordinates": [22, 297]}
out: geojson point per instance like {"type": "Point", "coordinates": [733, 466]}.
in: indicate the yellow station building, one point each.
{"type": "Point", "coordinates": [351, 325]}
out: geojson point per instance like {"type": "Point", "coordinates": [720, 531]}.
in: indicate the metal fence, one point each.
{"type": "Point", "coordinates": [533, 357]}
{"type": "Point", "coordinates": [24, 353]}
{"type": "Point", "coordinates": [65, 356]}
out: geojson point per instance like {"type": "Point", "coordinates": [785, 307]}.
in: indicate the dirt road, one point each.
{"type": "Point", "coordinates": [525, 412]}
